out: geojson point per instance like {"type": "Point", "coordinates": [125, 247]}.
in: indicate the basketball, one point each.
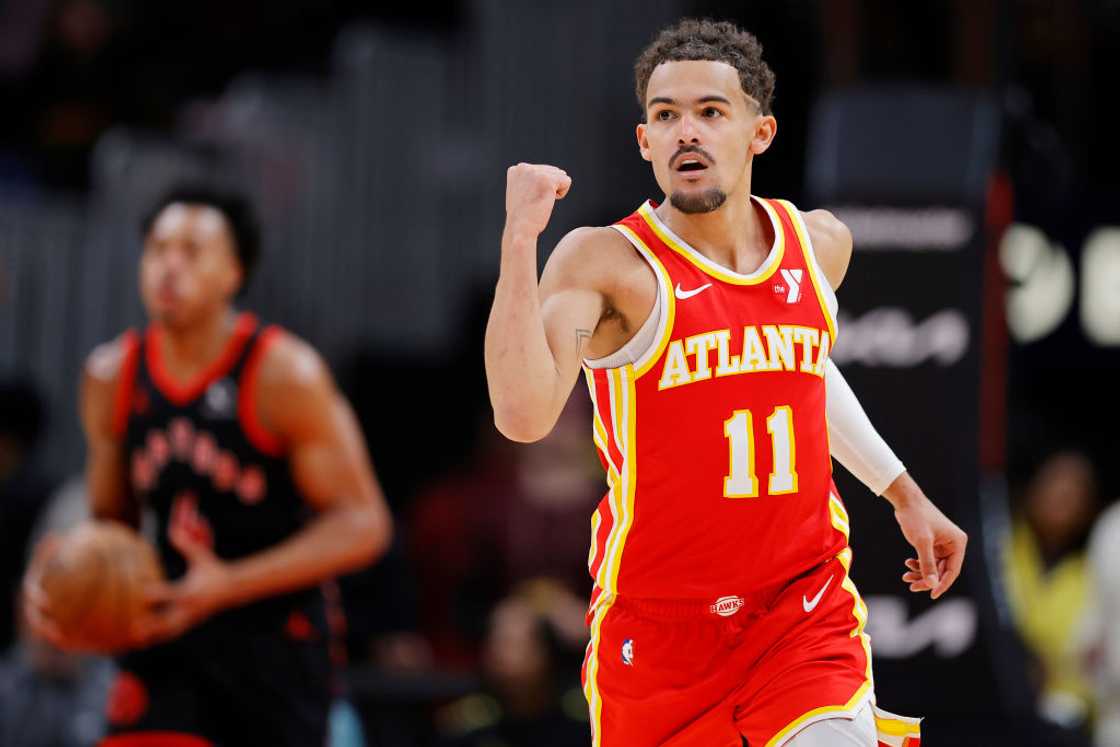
{"type": "Point", "coordinates": [94, 583]}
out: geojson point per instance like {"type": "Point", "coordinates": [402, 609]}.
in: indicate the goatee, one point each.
{"type": "Point", "coordinates": [703, 202]}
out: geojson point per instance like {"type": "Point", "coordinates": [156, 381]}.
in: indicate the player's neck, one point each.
{"type": "Point", "coordinates": [733, 236]}
{"type": "Point", "coordinates": [190, 348]}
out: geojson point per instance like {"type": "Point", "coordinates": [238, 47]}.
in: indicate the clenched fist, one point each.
{"type": "Point", "coordinates": [531, 191]}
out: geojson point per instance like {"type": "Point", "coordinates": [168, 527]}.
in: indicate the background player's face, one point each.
{"type": "Point", "coordinates": [701, 132]}
{"type": "Point", "coordinates": [189, 266]}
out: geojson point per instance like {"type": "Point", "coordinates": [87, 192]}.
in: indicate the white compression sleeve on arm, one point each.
{"type": "Point", "coordinates": [854, 441]}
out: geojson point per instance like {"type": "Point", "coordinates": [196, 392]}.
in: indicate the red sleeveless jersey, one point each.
{"type": "Point", "coordinates": [715, 442]}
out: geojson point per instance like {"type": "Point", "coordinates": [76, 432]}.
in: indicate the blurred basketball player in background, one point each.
{"type": "Point", "coordinates": [722, 609]}
{"type": "Point", "coordinates": [234, 435]}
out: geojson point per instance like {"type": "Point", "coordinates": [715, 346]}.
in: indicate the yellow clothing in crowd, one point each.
{"type": "Point", "coordinates": [1049, 607]}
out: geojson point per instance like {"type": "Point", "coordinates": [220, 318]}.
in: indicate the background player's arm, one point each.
{"type": "Point", "coordinates": [537, 336]}
{"type": "Point", "coordinates": [939, 543]}
{"type": "Point", "coordinates": [298, 402]}
{"type": "Point", "coordinates": [107, 487]}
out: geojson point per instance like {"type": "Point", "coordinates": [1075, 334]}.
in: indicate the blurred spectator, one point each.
{"type": "Point", "coordinates": [1103, 630]}
{"type": "Point", "coordinates": [519, 511]}
{"type": "Point", "coordinates": [23, 491]}
{"type": "Point", "coordinates": [1048, 581]}
{"type": "Point", "coordinates": [530, 671]}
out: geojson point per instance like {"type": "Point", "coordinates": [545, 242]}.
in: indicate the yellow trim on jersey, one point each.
{"type": "Point", "coordinates": [599, 430]}
{"type": "Point", "coordinates": [839, 516]}
{"type": "Point", "coordinates": [894, 730]}
{"type": "Point", "coordinates": [707, 266]}
{"type": "Point", "coordinates": [614, 393]}
{"type": "Point", "coordinates": [621, 382]}
{"type": "Point", "coordinates": [591, 684]}
{"type": "Point", "coordinates": [614, 479]}
{"type": "Point", "coordinates": [896, 727]}
{"type": "Point", "coordinates": [859, 610]}
{"type": "Point", "coordinates": [664, 292]}
{"type": "Point", "coordinates": [810, 263]}
{"type": "Point", "coordinates": [596, 520]}
{"type": "Point", "coordinates": [622, 390]}
{"type": "Point", "coordinates": [623, 394]}
{"type": "Point", "coordinates": [840, 521]}
{"type": "Point", "coordinates": [816, 714]}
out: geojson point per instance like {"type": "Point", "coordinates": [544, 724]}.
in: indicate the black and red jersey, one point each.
{"type": "Point", "coordinates": [198, 458]}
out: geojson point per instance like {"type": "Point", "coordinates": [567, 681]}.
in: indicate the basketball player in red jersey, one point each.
{"type": "Point", "coordinates": [254, 467]}
{"type": "Point", "coordinates": [722, 610]}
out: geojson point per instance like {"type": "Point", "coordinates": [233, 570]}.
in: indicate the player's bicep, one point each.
{"type": "Point", "coordinates": [570, 318]}
{"type": "Point", "coordinates": [329, 463]}
{"type": "Point", "coordinates": [573, 300]}
{"type": "Point", "coordinates": [327, 453]}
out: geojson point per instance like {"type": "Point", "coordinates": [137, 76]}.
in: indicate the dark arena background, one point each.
{"type": "Point", "coordinates": [969, 144]}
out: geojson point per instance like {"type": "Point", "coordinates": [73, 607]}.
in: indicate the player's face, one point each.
{"type": "Point", "coordinates": [701, 132]}
{"type": "Point", "coordinates": [189, 266]}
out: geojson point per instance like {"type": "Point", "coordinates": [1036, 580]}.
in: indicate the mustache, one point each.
{"type": "Point", "coordinates": [686, 149]}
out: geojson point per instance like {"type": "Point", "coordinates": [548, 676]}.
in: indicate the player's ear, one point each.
{"type": "Point", "coordinates": [643, 142]}
{"type": "Point", "coordinates": [764, 131]}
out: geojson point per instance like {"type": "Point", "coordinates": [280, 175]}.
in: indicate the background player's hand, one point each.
{"type": "Point", "coordinates": [531, 192]}
{"type": "Point", "coordinates": [176, 607]}
{"type": "Point", "coordinates": [939, 542]}
{"type": "Point", "coordinates": [35, 605]}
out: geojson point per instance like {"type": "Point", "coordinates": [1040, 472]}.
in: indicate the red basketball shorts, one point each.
{"type": "Point", "coordinates": [704, 674]}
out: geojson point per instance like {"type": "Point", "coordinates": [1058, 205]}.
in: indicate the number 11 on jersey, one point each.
{"type": "Point", "coordinates": [742, 482]}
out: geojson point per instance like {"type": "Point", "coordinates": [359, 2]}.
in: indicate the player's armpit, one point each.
{"type": "Point", "coordinates": [101, 393]}
{"type": "Point", "coordinates": [832, 244]}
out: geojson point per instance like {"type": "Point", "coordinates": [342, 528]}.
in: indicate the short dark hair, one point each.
{"type": "Point", "coordinates": [705, 39]}
{"type": "Point", "coordinates": [234, 206]}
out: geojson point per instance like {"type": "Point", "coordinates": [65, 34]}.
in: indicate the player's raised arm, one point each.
{"type": "Point", "coordinates": [536, 337]}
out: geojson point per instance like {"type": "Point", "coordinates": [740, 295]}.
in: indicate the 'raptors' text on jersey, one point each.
{"type": "Point", "coordinates": [715, 441]}
{"type": "Point", "coordinates": [199, 459]}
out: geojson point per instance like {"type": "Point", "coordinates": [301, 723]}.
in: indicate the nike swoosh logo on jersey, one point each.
{"type": "Point", "coordinates": [683, 294]}
{"type": "Point", "coordinates": [812, 605]}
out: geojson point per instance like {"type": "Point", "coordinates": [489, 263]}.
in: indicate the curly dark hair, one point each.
{"type": "Point", "coordinates": [705, 39]}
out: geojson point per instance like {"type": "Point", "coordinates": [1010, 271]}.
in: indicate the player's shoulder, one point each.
{"type": "Point", "coordinates": [824, 224]}
{"type": "Point", "coordinates": [104, 364]}
{"type": "Point", "coordinates": [594, 244]}
{"type": "Point", "coordinates": [594, 253]}
{"type": "Point", "coordinates": [832, 243]}
{"type": "Point", "coordinates": [289, 364]}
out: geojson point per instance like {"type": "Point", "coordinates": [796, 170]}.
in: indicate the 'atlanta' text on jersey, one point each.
{"type": "Point", "coordinates": [787, 347]}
